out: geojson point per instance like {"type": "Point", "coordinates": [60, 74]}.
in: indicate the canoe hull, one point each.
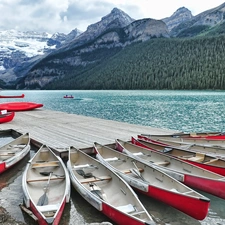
{"type": "Point", "coordinates": [168, 190]}
{"type": "Point", "coordinates": [106, 209]}
{"type": "Point", "coordinates": [214, 169]}
{"type": "Point", "coordinates": [219, 168]}
{"type": "Point", "coordinates": [194, 207]}
{"type": "Point", "coordinates": [17, 156]}
{"type": "Point", "coordinates": [206, 135]}
{"type": "Point", "coordinates": [57, 181]}
{"type": "Point", "coordinates": [5, 118]}
{"type": "Point", "coordinates": [184, 172]}
{"type": "Point", "coordinates": [114, 194]}
{"type": "Point", "coordinates": [121, 218]}
{"type": "Point", "coordinates": [12, 96]}
{"type": "Point", "coordinates": [41, 220]}
{"type": "Point", "coordinates": [207, 185]}
{"type": "Point", "coordinates": [20, 106]}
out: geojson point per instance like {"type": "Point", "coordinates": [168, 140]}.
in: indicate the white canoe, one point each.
{"type": "Point", "coordinates": [14, 151]}
{"type": "Point", "coordinates": [213, 150]}
{"type": "Point", "coordinates": [46, 186]}
{"type": "Point", "coordinates": [191, 175]}
{"type": "Point", "coordinates": [105, 190]}
{"type": "Point", "coordinates": [203, 160]}
{"type": "Point", "coordinates": [199, 141]}
{"type": "Point", "coordinates": [154, 183]}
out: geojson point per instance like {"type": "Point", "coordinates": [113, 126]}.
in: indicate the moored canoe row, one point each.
{"type": "Point", "coordinates": [211, 141]}
{"type": "Point", "coordinates": [202, 135]}
{"type": "Point", "coordinates": [213, 150]}
{"type": "Point", "coordinates": [105, 190]}
{"type": "Point", "coordinates": [104, 179]}
{"type": "Point", "coordinates": [190, 175]}
{"type": "Point", "coordinates": [203, 160]}
{"type": "Point", "coordinates": [154, 182]}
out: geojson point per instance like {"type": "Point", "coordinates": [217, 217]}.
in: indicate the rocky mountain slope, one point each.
{"type": "Point", "coordinates": [58, 55]}
{"type": "Point", "coordinates": [116, 30]}
{"type": "Point", "coordinates": [200, 23]}
{"type": "Point", "coordinates": [180, 16]}
{"type": "Point", "coordinates": [18, 49]}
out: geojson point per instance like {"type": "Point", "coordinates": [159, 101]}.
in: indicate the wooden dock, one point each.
{"type": "Point", "coordinates": [60, 130]}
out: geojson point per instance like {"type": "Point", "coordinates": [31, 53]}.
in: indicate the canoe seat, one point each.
{"type": "Point", "coordinates": [127, 208]}
{"type": "Point", "coordinates": [186, 156]}
{"type": "Point", "coordinates": [167, 149]}
{"type": "Point", "coordinates": [194, 135]}
{"type": "Point", "coordinates": [211, 161]}
{"type": "Point", "coordinates": [45, 179]}
{"type": "Point", "coordinates": [8, 154]}
{"type": "Point", "coordinates": [48, 208]}
{"type": "Point", "coordinates": [95, 189]}
{"type": "Point", "coordinates": [111, 159]}
{"type": "Point", "coordinates": [137, 213]}
{"type": "Point", "coordinates": [163, 163]}
{"type": "Point", "coordinates": [20, 146]}
{"type": "Point", "coordinates": [128, 170]}
{"type": "Point", "coordinates": [138, 153]}
{"type": "Point", "coordinates": [45, 164]}
{"type": "Point", "coordinates": [114, 161]}
{"type": "Point", "coordinates": [199, 157]}
{"type": "Point", "coordinates": [78, 167]}
{"type": "Point", "coordinates": [95, 179]}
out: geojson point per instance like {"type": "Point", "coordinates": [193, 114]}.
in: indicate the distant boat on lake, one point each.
{"type": "Point", "coordinates": [12, 96]}
{"type": "Point", "coordinates": [68, 96]}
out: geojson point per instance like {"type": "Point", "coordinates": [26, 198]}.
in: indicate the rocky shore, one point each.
{"type": "Point", "coordinates": [6, 219]}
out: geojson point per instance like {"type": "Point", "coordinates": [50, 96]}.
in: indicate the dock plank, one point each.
{"type": "Point", "coordinates": [61, 130]}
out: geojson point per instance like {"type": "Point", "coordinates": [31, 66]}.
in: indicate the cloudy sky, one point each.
{"type": "Point", "coordinates": [65, 15]}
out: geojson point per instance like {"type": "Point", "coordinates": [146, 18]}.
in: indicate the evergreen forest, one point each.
{"type": "Point", "coordinates": [159, 63]}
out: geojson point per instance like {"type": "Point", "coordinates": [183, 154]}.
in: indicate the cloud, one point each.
{"type": "Point", "coordinates": [65, 15]}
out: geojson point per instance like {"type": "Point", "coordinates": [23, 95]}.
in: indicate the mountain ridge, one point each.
{"type": "Point", "coordinates": [116, 30]}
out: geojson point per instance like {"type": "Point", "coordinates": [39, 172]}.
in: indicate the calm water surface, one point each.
{"type": "Point", "coordinates": [178, 110]}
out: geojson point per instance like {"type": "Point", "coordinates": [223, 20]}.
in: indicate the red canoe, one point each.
{"type": "Point", "coordinates": [200, 159]}
{"type": "Point", "coordinates": [12, 96]}
{"type": "Point", "coordinates": [185, 136]}
{"type": "Point", "coordinates": [20, 106]}
{"type": "Point", "coordinates": [7, 117]}
{"type": "Point", "coordinates": [192, 176]}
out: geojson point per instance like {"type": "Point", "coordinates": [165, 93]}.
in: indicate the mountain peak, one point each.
{"type": "Point", "coordinates": [179, 16]}
{"type": "Point", "coordinates": [115, 19]}
{"type": "Point", "coordinates": [117, 14]}
{"type": "Point", "coordinates": [116, 10]}
{"type": "Point", "coordinates": [182, 10]}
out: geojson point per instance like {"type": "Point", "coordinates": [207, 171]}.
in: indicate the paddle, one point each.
{"type": "Point", "coordinates": [96, 191]}
{"type": "Point", "coordinates": [136, 172]}
{"type": "Point", "coordinates": [83, 174]}
{"type": "Point", "coordinates": [43, 200]}
{"type": "Point", "coordinates": [87, 175]}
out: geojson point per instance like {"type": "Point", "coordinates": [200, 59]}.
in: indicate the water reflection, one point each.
{"type": "Point", "coordinates": [82, 212]}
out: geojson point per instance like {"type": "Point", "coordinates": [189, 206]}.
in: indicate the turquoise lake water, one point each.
{"type": "Point", "coordinates": [186, 111]}
{"type": "Point", "coordinates": [178, 110]}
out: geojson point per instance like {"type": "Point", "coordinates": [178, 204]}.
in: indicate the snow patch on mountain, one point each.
{"type": "Point", "coordinates": [26, 44]}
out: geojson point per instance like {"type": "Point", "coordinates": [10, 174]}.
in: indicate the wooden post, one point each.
{"type": "Point", "coordinates": [28, 212]}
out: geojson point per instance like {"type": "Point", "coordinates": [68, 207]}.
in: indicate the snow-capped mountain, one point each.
{"type": "Point", "coordinates": [21, 44]}
{"type": "Point", "coordinates": [17, 46]}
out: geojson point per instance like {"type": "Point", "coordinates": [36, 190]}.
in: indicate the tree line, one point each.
{"type": "Point", "coordinates": [159, 63]}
